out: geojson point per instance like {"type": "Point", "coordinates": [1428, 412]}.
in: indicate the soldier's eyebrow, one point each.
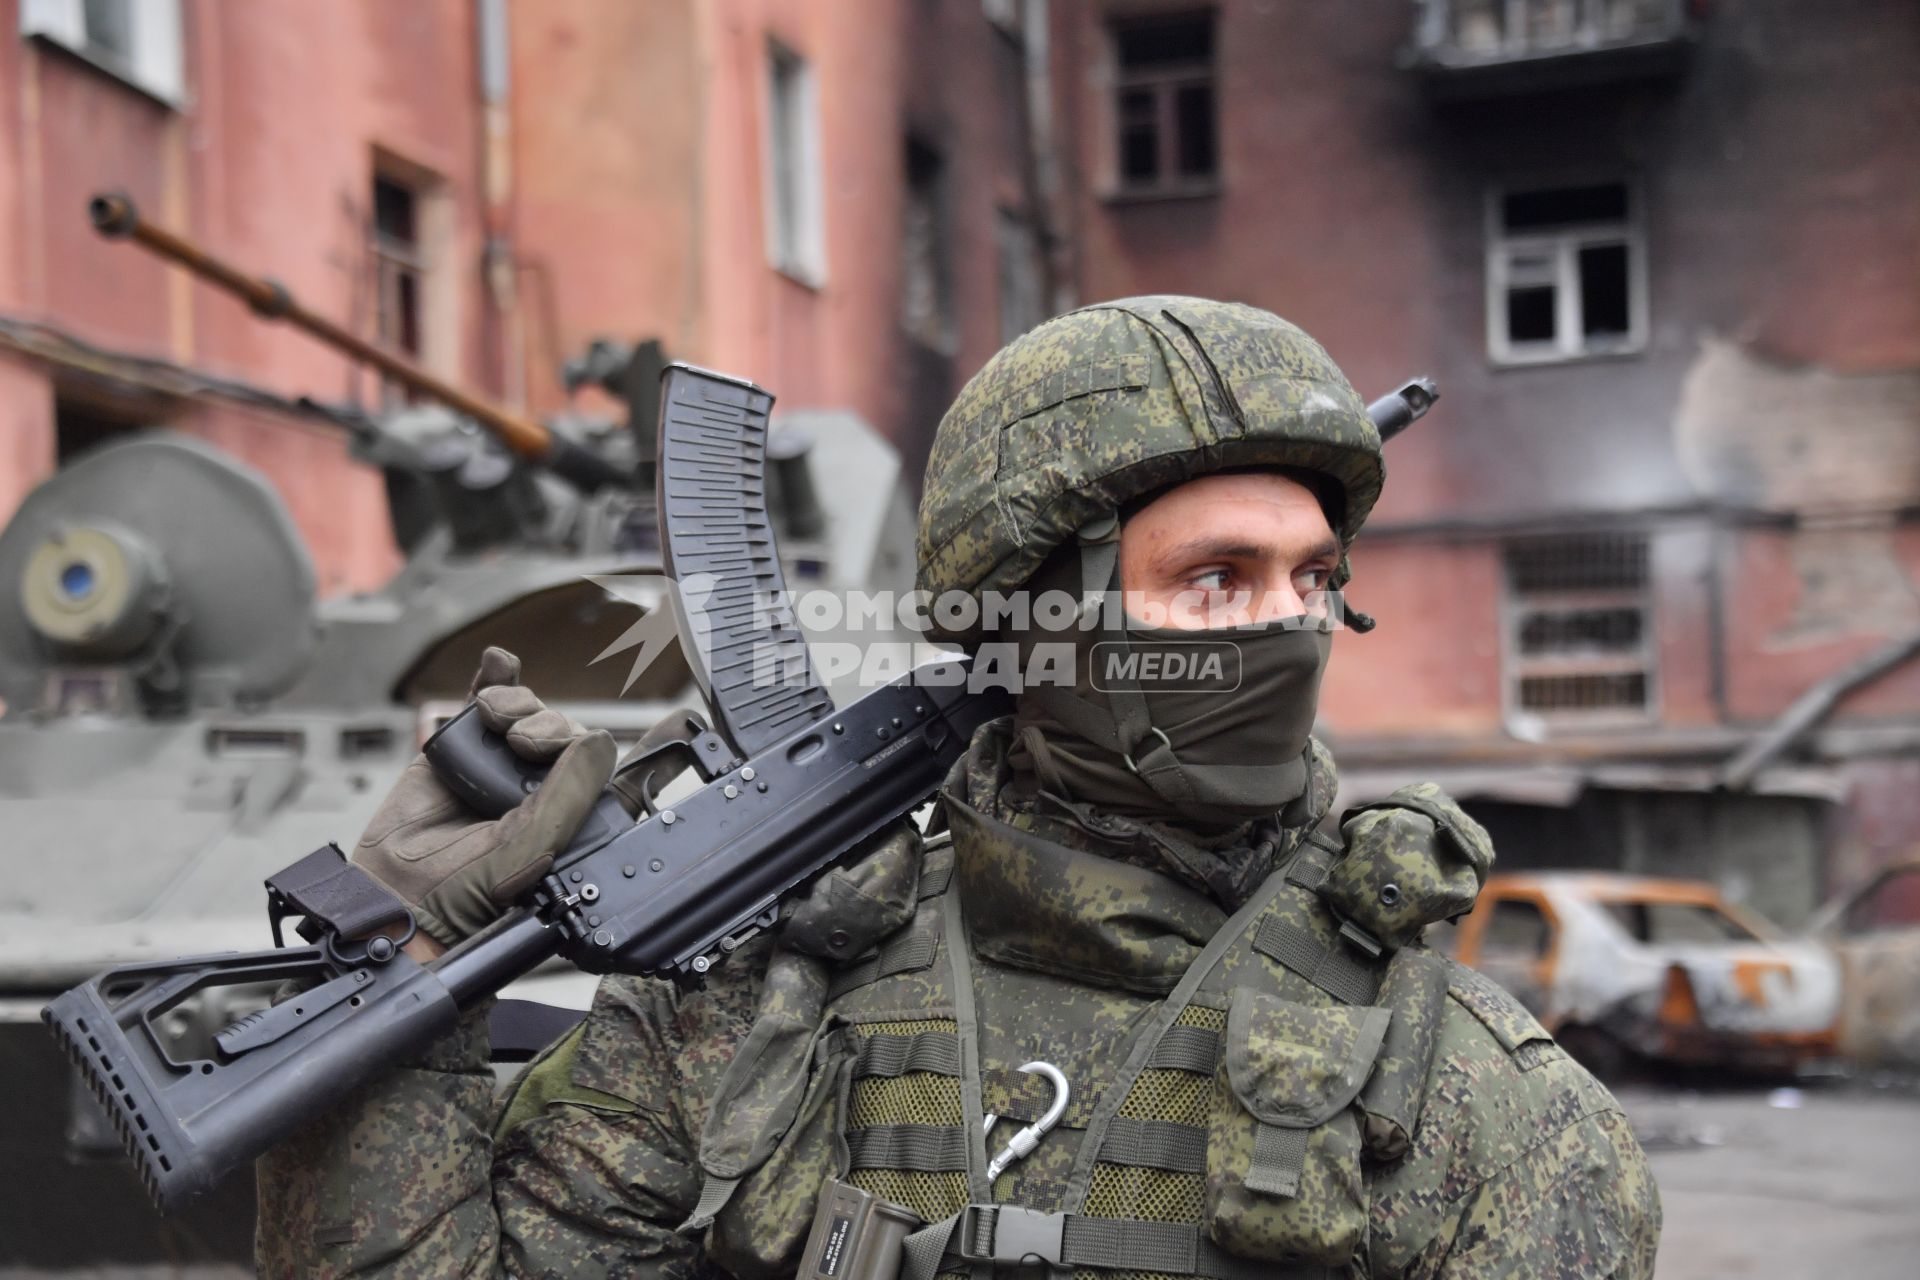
{"type": "Point", "coordinates": [1217, 547]}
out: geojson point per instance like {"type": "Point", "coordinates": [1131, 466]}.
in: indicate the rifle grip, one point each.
{"type": "Point", "coordinates": [478, 766]}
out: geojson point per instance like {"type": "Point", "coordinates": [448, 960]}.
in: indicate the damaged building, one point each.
{"type": "Point", "coordinates": [1646, 580]}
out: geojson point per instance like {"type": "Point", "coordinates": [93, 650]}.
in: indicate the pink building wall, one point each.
{"type": "Point", "coordinates": [627, 188]}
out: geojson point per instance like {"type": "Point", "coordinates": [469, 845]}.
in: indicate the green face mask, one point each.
{"type": "Point", "coordinates": [1206, 730]}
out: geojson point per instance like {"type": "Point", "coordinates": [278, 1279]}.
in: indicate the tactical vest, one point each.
{"type": "Point", "coordinates": [1228, 1143]}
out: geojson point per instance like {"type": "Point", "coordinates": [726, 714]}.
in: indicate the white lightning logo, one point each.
{"type": "Point", "coordinates": [655, 631]}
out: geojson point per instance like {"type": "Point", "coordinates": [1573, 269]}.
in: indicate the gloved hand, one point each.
{"type": "Point", "coordinates": [457, 870]}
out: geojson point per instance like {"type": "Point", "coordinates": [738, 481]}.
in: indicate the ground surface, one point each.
{"type": "Point", "coordinates": [1806, 1184]}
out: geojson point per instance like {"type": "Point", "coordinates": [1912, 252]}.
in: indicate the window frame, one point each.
{"type": "Point", "coordinates": [437, 288]}
{"type": "Point", "coordinates": [1165, 82]}
{"type": "Point", "coordinates": [1516, 606]}
{"type": "Point", "coordinates": [927, 185]}
{"type": "Point", "coordinates": [796, 237]}
{"type": "Point", "coordinates": [392, 259]}
{"type": "Point", "coordinates": [157, 65]}
{"type": "Point", "coordinates": [1563, 245]}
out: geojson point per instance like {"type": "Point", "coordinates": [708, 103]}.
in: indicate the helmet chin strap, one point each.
{"type": "Point", "coordinates": [1144, 747]}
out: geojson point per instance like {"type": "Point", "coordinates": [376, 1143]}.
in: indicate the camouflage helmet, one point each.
{"type": "Point", "coordinates": [1106, 404]}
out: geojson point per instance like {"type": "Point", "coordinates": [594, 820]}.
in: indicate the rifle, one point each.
{"type": "Point", "coordinates": [791, 786]}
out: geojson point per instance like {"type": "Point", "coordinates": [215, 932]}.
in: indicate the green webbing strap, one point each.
{"type": "Point", "coordinates": [1195, 1049]}
{"type": "Point", "coordinates": [966, 1018]}
{"type": "Point", "coordinates": [1335, 970]}
{"type": "Point", "coordinates": [934, 882]}
{"type": "Point", "coordinates": [1311, 866]}
{"type": "Point", "coordinates": [1176, 1248]}
{"type": "Point", "coordinates": [1279, 1156]}
{"type": "Point", "coordinates": [1230, 934]}
{"type": "Point", "coordinates": [1011, 1235]}
{"type": "Point", "coordinates": [888, 1054]}
{"type": "Point", "coordinates": [917, 1148]}
{"type": "Point", "coordinates": [1133, 734]}
{"type": "Point", "coordinates": [905, 954]}
{"type": "Point", "coordinates": [1155, 1144]}
{"type": "Point", "coordinates": [714, 1194]}
{"type": "Point", "coordinates": [924, 1251]}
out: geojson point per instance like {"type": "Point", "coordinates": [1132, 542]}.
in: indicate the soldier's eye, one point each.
{"type": "Point", "coordinates": [1213, 579]}
{"type": "Point", "coordinates": [1314, 578]}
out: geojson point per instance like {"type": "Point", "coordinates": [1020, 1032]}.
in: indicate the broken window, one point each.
{"type": "Point", "coordinates": [399, 263]}
{"type": "Point", "coordinates": [926, 292]}
{"type": "Point", "coordinates": [1164, 105]}
{"type": "Point", "coordinates": [1673, 924]}
{"type": "Point", "coordinates": [397, 247]}
{"type": "Point", "coordinates": [1579, 627]}
{"type": "Point", "coordinates": [1564, 273]}
{"type": "Point", "coordinates": [137, 41]}
{"type": "Point", "coordinates": [795, 243]}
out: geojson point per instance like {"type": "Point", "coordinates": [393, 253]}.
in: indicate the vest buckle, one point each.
{"type": "Point", "coordinates": [1009, 1234]}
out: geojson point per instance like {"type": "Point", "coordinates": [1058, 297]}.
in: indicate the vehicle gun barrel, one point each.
{"type": "Point", "coordinates": [115, 217]}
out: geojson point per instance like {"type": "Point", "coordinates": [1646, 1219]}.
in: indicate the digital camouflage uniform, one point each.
{"type": "Point", "coordinates": [1270, 1078]}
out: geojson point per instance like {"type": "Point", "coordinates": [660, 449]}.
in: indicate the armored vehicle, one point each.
{"type": "Point", "coordinates": [182, 715]}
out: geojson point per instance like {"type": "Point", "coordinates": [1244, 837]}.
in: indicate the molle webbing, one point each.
{"type": "Point", "coordinates": [1151, 1166]}
{"type": "Point", "coordinates": [1187, 1047]}
{"type": "Point", "coordinates": [886, 1053]}
{"type": "Point", "coordinates": [911, 951]}
{"type": "Point", "coordinates": [1155, 1144]}
{"type": "Point", "coordinates": [914, 1148]}
{"type": "Point", "coordinates": [1341, 969]}
{"type": "Point", "coordinates": [905, 1138]}
{"type": "Point", "coordinates": [1335, 969]}
{"type": "Point", "coordinates": [1142, 1168]}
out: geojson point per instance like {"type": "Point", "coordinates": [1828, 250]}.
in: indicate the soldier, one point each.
{"type": "Point", "coordinates": [1131, 891]}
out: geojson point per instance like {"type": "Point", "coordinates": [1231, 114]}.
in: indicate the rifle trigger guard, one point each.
{"type": "Point", "coordinates": [681, 742]}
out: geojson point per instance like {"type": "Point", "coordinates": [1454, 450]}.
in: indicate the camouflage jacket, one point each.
{"type": "Point", "coordinates": [1513, 1162]}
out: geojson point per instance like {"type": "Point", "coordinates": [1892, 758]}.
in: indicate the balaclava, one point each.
{"type": "Point", "coordinates": [1221, 716]}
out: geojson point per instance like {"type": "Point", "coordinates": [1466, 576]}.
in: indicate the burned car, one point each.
{"type": "Point", "coordinates": [1875, 931]}
{"type": "Point", "coordinates": [1625, 968]}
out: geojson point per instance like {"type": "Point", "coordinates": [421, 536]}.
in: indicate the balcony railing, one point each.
{"type": "Point", "coordinates": [1479, 47]}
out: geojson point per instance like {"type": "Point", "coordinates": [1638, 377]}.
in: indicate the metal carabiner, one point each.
{"type": "Point", "coordinates": [1027, 1139]}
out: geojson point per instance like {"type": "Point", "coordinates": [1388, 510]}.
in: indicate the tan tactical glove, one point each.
{"type": "Point", "coordinates": [457, 871]}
